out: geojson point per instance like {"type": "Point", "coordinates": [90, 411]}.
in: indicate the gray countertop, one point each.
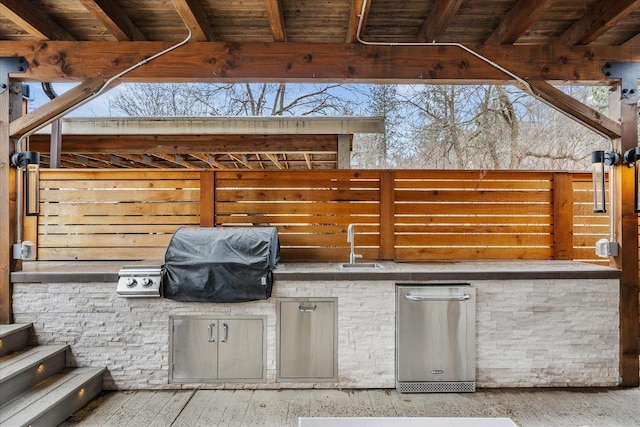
{"type": "Point", "coordinates": [83, 271]}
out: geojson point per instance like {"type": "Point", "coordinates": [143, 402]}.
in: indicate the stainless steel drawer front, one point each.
{"type": "Point", "coordinates": [435, 337]}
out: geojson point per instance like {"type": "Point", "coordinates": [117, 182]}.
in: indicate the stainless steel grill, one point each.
{"type": "Point", "coordinates": [139, 281]}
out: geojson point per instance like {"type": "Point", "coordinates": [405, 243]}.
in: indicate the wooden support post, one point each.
{"type": "Point", "coordinates": [207, 199]}
{"type": "Point", "coordinates": [626, 233]}
{"type": "Point", "coordinates": [387, 215]}
{"type": "Point", "coordinates": [562, 216]}
{"type": "Point", "coordinates": [344, 152]}
{"type": "Point", "coordinates": [10, 108]}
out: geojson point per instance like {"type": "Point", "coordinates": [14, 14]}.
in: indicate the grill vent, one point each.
{"type": "Point", "coordinates": [437, 387]}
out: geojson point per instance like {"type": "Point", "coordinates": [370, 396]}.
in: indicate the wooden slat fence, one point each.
{"type": "Point", "coordinates": [400, 215]}
{"type": "Point", "coordinates": [113, 214]}
{"type": "Point", "coordinates": [473, 215]}
{"type": "Point", "coordinates": [311, 210]}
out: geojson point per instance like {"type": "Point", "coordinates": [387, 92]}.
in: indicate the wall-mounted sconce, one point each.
{"type": "Point", "coordinates": [632, 157]}
{"type": "Point", "coordinates": [600, 159]}
{"type": "Point", "coordinates": [29, 161]}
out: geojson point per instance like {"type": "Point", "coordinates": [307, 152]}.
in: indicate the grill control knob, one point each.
{"type": "Point", "coordinates": [147, 281]}
{"type": "Point", "coordinates": [131, 282]}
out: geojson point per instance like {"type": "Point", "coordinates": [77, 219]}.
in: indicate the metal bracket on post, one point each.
{"type": "Point", "coordinates": [628, 72]}
{"type": "Point", "coordinates": [10, 64]}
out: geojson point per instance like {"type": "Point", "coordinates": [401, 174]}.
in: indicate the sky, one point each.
{"type": "Point", "coordinates": [95, 108]}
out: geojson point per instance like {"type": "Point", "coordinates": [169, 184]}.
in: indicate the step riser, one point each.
{"type": "Point", "coordinates": [17, 384]}
{"type": "Point", "coordinates": [14, 341]}
{"type": "Point", "coordinates": [66, 407]}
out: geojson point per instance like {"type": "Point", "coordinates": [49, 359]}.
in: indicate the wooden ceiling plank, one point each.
{"type": "Point", "coordinates": [354, 19]}
{"type": "Point", "coordinates": [633, 41]}
{"type": "Point", "coordinates": [440, 16]}
{"type": "Point", "coordinates": [54, 107]}
{"type": "Point", "coordinates": [195, 18]}
{"type": "Point", "coordinates": [603, 16]}
{"type": "Point", "coordinates": [575, 108]}
{"type": "Point", "coordinates": [30, 17]}
{"type": "Point", "coordinates": [311, 62]}
{"type": "Point", "coordinates": [276, 20]}
{"type": "Point", "coordinates": [114, 19]}
{"type": "Point", "coordinates": [517, 21]}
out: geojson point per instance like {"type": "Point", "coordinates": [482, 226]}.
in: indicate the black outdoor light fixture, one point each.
{"type": "Point", "coordinates": [600, 159]}
{"type": "Point", "coordinates": [29, 161]}
{"type": "Point", "coordinates": [632, 158]}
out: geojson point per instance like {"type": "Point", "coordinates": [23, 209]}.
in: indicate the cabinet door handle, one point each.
{"type": "Point", "coordinates": [211, 326]}
{"type": "Point", "coordinates": [225, 332]}
{"type": "Point", "coordinates": [307, 309]}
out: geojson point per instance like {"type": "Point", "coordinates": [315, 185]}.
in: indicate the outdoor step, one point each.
{"type": "Point", "coordinates": [53, 400]}
{"type": "Point", "coordinates": [25, 368]}
{"type": "Point", "coordinates": [13, 337]}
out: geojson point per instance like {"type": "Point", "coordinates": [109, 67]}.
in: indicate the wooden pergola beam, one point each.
{"type": "Point", "coordinates": [114, 19]}
{"type": "Point", "coordinates": [312, 62]}
{"type": "Point", "coordinates": [195, 18]}
{"type": "Point", "coordinates": [577, 109]}
{"type": "Point", "coordinates": [517, 21]}
{"type": "Point", "coordinates": [439, 18]}
{"type": "Point", "coordinates": [29, 17]}
{"type": "Point", "coordinates": [62, 103]}
{"type": "Point", "coordinates": [175, 144]}
{"type": "Point", "coordinates": [604, 15]}
{"type": "Point", "coordinates": [276, 20]}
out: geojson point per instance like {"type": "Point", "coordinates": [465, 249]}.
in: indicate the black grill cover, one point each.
{"type": "Point", "coordinates": [220, 264]}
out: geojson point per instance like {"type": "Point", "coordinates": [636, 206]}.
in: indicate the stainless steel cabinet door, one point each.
{"type": "Point", "coordinates": [194, 349]}
{"type": "Point", "coordinates": [307, 338]}
{"type": "Point", "coordinates": [240, 349]}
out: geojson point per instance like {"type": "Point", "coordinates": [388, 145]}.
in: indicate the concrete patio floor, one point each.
{"type": "Point", "coordinates": [526, 407]}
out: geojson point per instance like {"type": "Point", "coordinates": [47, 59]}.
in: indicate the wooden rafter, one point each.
{"type": "Point", "coordinates": [440, 16]}
{"type": "Point", "coordinates": [354, 19]}
{"type": "Point", "coordinates": [54, 107]}
{"type": "Point", "coordinates": [274, 158]}
{"type": "Point", "coordinates": [241, 62]}
{"type": "Point", "coordinates": [308, 159]}
{"type": "Point", "coordinates": [276, 20]}
{"type": "Point", "coordinates": [142, 159]}
{"type": "Point", "coordinates": [518, 20]}
{"type": "Point", "coordinates": [114, 19]}
{"type": "Point", "coordinates": [193, 15]}
{"type": "Point", "coordinates": [28, 16]}
{"type": "Point", "coordinates": [576, 108]}
{"type": "Point", "coordinates": [242, 159]}
{"type": "Point", "coordinates": [176, 159]}
{"type": "Point", "coordinates": [604, 15]}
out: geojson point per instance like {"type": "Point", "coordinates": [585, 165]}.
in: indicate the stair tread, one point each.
{"type": "Point", "coordinates": [6, 330]}
{"type": "Point", "coordinates": [16, 362]}
{"type": "Point", "coordinates": [45, 395]}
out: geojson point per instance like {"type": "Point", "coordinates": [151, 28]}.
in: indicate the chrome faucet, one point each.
{"type": "Point", "coordinates": [351, 239]}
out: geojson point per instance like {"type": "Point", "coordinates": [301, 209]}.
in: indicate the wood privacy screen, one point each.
{"type": "Point", "coordinates": [400, 215]}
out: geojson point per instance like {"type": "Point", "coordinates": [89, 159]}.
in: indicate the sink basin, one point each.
{"type": "Point", "coordinates": [361, 265]}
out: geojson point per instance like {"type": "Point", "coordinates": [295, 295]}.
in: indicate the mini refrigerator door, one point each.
{"type": "Point", "coordinates": [435, 338]}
